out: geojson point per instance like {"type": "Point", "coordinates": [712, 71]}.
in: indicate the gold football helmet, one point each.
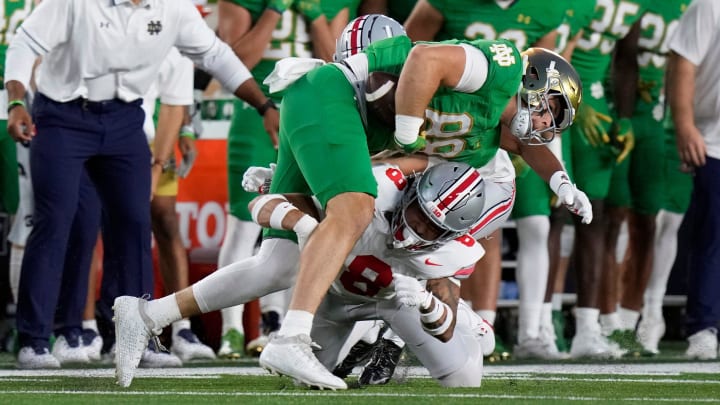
{"type": "Point", "coordinates": [546, 75]}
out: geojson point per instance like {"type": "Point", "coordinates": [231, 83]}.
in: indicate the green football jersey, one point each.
{"type": "Point", "coordinates": [461, 126]}
{"type": "Point", "coordinates": [14, 13]}
{"type": "Point", "coordinates": [611, 20]}
{"type": "Point", "coordinates": [657, 25]}
{"type": "Point", "coordinates": [523, 23]}
{"type": "Point", "coordinates": [291, 36]}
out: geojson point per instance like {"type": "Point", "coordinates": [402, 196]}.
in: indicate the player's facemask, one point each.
{"type": "Point", "coordinates": [542, 80]}
{"type": "Point", "coordinates": [448, 199]}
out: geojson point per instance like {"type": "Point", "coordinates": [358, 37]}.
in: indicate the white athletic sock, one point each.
{"type": "Point", "coordinates": [393, 337]}
{"type": "Point", "coordinates": [232, 318]}
{"type": "Point", "coordinates": [546, 325]}
{"type": "Point", "coordinates": [653, 307]}
{"type": "Point", "coordinates": [16, 258]}
{"type": "Point", "coordinates": [557, 302]}
{"type": "Point", "coordinates": [90, 324]}
{"type": "Point", "coordinates": [586, 319]}
{"type": "Point", "coordinates": [610, 322]}
{"type": "Point", "coordinates": [163, 311]}
{"type": "Point", "coordinates": [488, 315]}
{"type": "Point", "coordinates": [628, 318]}
{"type": "Point", "coordinates": [532, 272]}
{"type": "Point", "coordinates": [529, 322]}
{"type": "Point", "coordinates": [667, 226]}
{"type": "Point", "coordinates": [296, 323]}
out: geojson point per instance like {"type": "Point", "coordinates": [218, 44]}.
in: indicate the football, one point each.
{"type": "Point", "coordinates": [380, 97]}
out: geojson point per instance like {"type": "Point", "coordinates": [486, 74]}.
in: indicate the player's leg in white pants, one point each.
{"type": "Point", "coordinates": [273, 268]}
{"type": "Point", "coordinates": [456, 363]}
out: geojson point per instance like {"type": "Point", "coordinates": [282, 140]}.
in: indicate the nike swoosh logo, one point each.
{"type": "Point", "coordinates": [429, 263]}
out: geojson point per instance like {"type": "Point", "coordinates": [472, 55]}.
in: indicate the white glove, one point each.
{"type": "Point", "coordinates": [257, 179]}
{"type": "Point", "coordinates": [575, 200]}
{"type": "Point", "coordinates": [410, 292]}
{"type": "Point", "coordinates": [581, 205]}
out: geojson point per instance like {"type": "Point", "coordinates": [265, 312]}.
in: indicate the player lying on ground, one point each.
{"type": "Point", "coordinates": [404, 242]}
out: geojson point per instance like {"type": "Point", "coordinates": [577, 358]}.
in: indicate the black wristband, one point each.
{"type": "Point", "coordinates": [267, 105]}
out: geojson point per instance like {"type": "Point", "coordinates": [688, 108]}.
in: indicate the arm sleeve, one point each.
{"type": "Point", "coordinates": [45, 28]}
{"type": "Point", "coordinates": [476, 70]}
{"type": "Point", "coordinates": [199, 43]}
{"type": "Point", "coordinates": [691, 39]}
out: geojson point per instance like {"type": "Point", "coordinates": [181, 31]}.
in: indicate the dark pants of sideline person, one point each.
{"type": "Point", "coordinates": [107, 140]}
{"type": "Point", "coordinates": [703, 295]}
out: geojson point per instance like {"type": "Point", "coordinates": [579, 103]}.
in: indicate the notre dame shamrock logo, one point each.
{"type": "Point", "coordinates": [154, 27]}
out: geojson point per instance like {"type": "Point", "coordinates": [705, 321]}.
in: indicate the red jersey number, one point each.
{"type": "Point", "coordinates": [396, 177]}
{"type": "Point", "coordinates": [366, 275]}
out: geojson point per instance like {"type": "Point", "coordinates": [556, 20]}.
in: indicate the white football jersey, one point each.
{"type": "Point", "coordinates": [368, 270]}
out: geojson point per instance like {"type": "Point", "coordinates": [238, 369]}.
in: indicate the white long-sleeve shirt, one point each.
{"type": "Point", "coordinates": [104, 49]}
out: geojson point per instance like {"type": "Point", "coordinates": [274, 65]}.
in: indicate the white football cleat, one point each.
{"type": "Point", "coordinates": [93, 343]}
{"type": "Point", "coordinates": [292, 356]}
{"type": "Point", "coordinates": [538, 348]}
{"type": "Point", "coordinates": [703, 345]}
{"type": "Point", "coordinates": [133, 329]}
{"type": "Point", "coordinates": [649, 333]}
{"type": "Point", "coordinates": [70, 352]}
{"type": "Point", "coordinates": [158, 357]}
{"type": "Point", "coordinates": [30, 358]}
{"type": "Point", "coordinates": [256, 346]}
{"type": "Point", "coordinates": [187, 346]}
{"type": "Point", "coordinates": [593, 344]}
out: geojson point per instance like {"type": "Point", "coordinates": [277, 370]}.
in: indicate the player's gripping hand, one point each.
{"type": "Point", "coordinates": [279, 5]}
{"type": "Point", "coordinates": [311, 9]}
{"type": "Point", "coordinates": [590, 123]}
{"type": "Point", "coordinates": [257, 179]}
{"type": "Point", "coordinates": [410, 292]}
{"type": "Point", "coordinates": [574, 199]}
{"type": "Point", "coordinates": [409, 135]}
{"type": "Point", "coordinates": [622, 138]}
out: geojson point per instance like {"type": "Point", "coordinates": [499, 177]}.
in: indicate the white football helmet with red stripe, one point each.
{"type": "Point", "coordinates": [451, 196]}
{"type": "Point", "coordinates": [364, 30]}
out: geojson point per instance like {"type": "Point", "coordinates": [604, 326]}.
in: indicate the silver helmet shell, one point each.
{"type": "Point", "coordinates": [364, 30]}
{"type": "Point", "coordinates": [451, 195]}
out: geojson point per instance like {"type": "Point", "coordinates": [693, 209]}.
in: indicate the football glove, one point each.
{"type": "Point", "coordinates": [590, 123]}
{"type": "Point", "coordinates": [410, 291]}
{"type": "Point", "coordinates": [309, 8]}
{"type": "Point", "coordinates": [418, 145]}
{"type": "Point", "coordinates": [575, 200]}
{"type": "Point", "coordinates": [622, 138]}
{"type": "Point", "coordinates": [257, 179]}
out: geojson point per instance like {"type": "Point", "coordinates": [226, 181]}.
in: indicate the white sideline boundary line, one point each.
{"type": "Point", "coordinates": [492, 371]}
{"type": "Point", "coordinates": [346, 394]}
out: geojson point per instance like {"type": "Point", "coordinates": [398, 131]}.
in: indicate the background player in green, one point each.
{"type": "Point", "coordinates": [261, 32]}
{"type": "Point", "coordinates": [526, 23]}
{"type": "Point", "coordinates": [678, 185]}
{"type": "Point", "coordinates": [13, 12]}
{"type": "Point", "coordinates": [594, 153]}
{"type": "Point", "coordinates": [321, 151]}
{"type": "Point", "coordinates": [638, 186]}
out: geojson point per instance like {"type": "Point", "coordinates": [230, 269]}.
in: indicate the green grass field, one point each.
{"type": "Point", "coordinates": [664, 379]}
